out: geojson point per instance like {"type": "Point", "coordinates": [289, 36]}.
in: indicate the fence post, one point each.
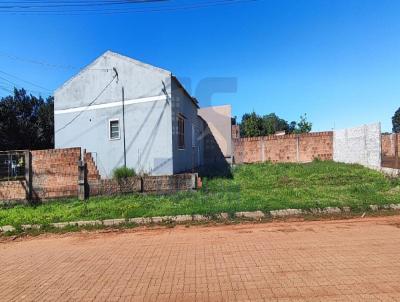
{"type": "Point", "coordinates": [262, 149]}
{"type": "Point", "coordinates": [297, 147]}
{"type": "Point", "coordinates": [194, 177]}
{"type": "Point", "coordinates": [82, 179]}
{"type": "Point", "coordinates": [28, 174]}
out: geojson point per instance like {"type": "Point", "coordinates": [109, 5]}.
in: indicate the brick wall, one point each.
{"type": "Point", "coordinates": [388, 142]}
{"type": "Point", "coordinates": [235, 131]}
{"type": "Point", "coordinates": [14, 190]}
{"type": "Point", "coordinates": [114, 187]}
{"type": "Point", "coordinates": [92, 171]}
{"type": "Point", "coordinates": [169, 183]}
{"type": "Point", "coordinates": [285, 148]}
{"type": "Point", "coordinates": [55, 173]}
{"type": "Point", "coordinates": [146, 184]}
{"type": "Point", "coordinates": [390, 146]}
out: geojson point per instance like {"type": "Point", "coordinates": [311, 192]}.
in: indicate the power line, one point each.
{"type": "Point", "coordinates": [46, 64]}
{"type": "Point", "coordinates": [15, 85]}
{"type": "Point", "coordinates": [28, 82]}
{"type": "Point", "coordinates": [69, 5]}
{"type": "Point", "coordinates": [100, 11]}
{"type": "Point", "coordinates": [6, 89]}
{"type": "Point", "coordinates": [90, 104]}
{"type": "Point", "coordinates": [57, 4]}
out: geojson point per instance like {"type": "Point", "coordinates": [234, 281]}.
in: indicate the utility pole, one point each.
{"type": "Point", "coordinates": [123, 123]}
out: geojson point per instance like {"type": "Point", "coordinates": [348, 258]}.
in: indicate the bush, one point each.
{"type": "Point", "coordinates": [123, 172]}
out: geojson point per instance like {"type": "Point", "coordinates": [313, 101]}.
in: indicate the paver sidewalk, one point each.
{"type": "Point", "coordinates": [349, 260]}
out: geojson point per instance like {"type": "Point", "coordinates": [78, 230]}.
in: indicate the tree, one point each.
{"type": "Point", "coordinates": [292, 127]}
{"type": "Point", "coordinates": [396, 121]}
{"type": "Point", "coordinates": [26, 122]}
{"type": "Point", "coordinates": [254, 125]}
{"type": "Point", "coordinates": [273, 123]}
{"type": "Point", "coordinates": [303, 126]}
{"type": "Point", "coordinates": [251, 125]}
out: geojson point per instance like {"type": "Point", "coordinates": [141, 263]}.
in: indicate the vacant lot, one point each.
{"type": "Point", "coordinates": [352, 260]}
{"type": "Point", "coordinates": [252, 187]}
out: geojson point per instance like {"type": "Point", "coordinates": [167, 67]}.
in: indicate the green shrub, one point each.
{"type": "Point", "coordinates": [123, 172]}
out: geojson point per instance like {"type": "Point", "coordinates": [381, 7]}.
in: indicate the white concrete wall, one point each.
{"type": "Point", "coordinates": [148, 125]}
{"type": "Point", "coordinates": [359, 145]}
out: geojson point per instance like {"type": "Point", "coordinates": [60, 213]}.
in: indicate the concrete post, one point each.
{"type": "Point", "coordinates": [28, 174]}
{"type": "Point", "coordinates": [194, 181]}
{"type": "Point", "coordinates": [82, 194]}
{"type": "Point", "coordinates": [262, 150]}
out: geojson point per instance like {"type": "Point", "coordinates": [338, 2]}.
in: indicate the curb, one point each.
{"type": "Point", "coordinates": [254, 215]}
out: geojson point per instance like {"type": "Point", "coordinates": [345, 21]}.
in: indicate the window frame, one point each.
{"type": "Point", "coordinates": [181, 134]}
{"type": "Point", "coordinates": [109, 129]}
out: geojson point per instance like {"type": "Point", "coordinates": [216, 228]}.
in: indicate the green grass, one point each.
{"type": "Point", "coordinates": [253, 187]}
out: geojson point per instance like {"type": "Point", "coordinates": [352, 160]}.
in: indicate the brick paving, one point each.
{"type": "Point", "coordinates": [348, 260]}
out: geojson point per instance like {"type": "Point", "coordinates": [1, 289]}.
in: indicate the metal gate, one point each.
{"type": "Point", "coordinates": [12, 165]}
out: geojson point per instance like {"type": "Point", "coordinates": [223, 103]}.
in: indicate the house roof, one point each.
{"type": "Point", "coordinates": [194, 100]}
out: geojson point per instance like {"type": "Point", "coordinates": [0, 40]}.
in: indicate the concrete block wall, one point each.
{"type": "Point", "coordinates": [286, 148]}
{"type": "Point", "coordinates": [360, 145]}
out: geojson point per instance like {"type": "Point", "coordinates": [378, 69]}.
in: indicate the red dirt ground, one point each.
{"type": "Point", "coordinates": [342, 260]}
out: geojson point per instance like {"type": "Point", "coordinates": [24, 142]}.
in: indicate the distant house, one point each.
{"type": "Point", "coordinates": [123, 110]}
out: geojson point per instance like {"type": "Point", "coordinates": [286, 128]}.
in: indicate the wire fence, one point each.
{"type": "Point", "coordinates": [12, 165]}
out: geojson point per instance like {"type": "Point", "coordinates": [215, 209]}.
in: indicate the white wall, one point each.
{"type": "Point", "coordinates": [359, 145]}
{"type": "Point", "coordinates": [147, 124]}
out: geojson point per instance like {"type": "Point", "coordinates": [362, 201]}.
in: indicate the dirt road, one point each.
{"type": "Point", "coordinates": [347, 260]}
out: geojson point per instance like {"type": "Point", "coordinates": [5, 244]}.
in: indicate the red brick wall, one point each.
{"type": "Point", "coordinates": [285, 148]}
{"type": "Point", "coordinates": [114, 187]}
{"type": "Point", "coordinates": [146, 184]}
{"type": "Point", "coordinates": [169, 183]}
{"type": "Point", "coordinates": [55, 173]}
{"type": "Point", "coordinates": [388, 144]}
{"type": "Point", "coordinates": [235, 131]}
{"type": "Point", "coordinates": [13, 190]}
{"type": "Point", "coordinates": [92, 171]}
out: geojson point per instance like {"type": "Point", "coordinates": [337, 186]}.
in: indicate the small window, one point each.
{"type": "Point", "coordinates": [181, 132]}
{"type": "Point", "coordinates": [114, 129]}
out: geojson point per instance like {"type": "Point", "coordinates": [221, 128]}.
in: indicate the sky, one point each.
{"type": "Point", "coordinates": [338, 61]}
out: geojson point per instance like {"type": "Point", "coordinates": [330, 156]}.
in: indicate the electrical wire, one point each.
{"type": "Point", "coordinates": [46, 64]}
{"type": "Point", "coordinates": [100, 11]}
{"type": "Point", "coordinates": [28, 82]}
{"type": "Point", "coordinates": [90, 104]}
{"type": "Point", "coordinates": [6, 89]}
{"type": "Point", "coordinates": [61, 4]}
{"type": "Point", "coordinates": [15, 85]}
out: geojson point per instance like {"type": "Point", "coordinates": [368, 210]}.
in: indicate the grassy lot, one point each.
{"type": "Point", "coordinates": [253, 187]}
